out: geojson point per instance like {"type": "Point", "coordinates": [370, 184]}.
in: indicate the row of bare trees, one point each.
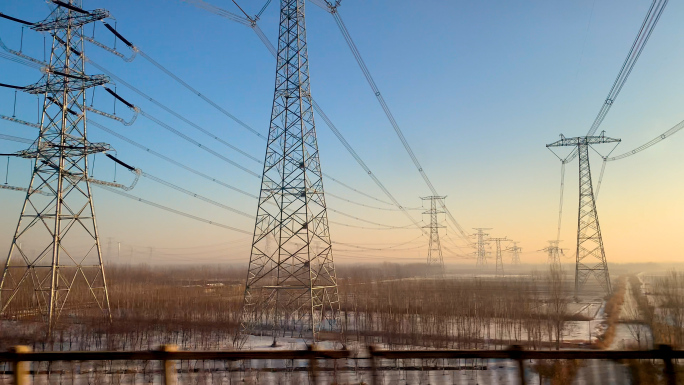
{"type": "Point", "coordinates": [200, 308]}
{"type": "Point", "coordinates": [460, 313]}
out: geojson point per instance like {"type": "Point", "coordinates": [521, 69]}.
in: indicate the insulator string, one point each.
{"type": "Point", "coordinates": [7, 170]}
{"type": "Point", "coordinates": [21, 40]}
{"type": "Point", "coordinates": [14, 110]}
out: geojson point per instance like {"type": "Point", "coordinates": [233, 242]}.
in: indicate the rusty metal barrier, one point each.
{"type": "Point", "coordinates": [308, 366]}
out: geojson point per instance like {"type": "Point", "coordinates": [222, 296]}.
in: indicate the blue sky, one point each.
{"type": "Point", "coordinates": [478, 88]}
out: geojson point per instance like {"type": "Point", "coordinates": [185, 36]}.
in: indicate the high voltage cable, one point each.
{"type": "Point", "coordinates": [138, 145]}
{"type": "Point", "coordinates": [195, 195]}
{"type": "Point", "coordinates": [650, 143]}
{"type": "Point", "coordinates": [560, 204]}
{"type": "Point", "coordinates": [172, 161]}
{"type": "Point", "coordinates": [171, 210]}
{"type": "Point", "coordinates": [372, 228]}
{"type": "Point", "coordinates": [644, 34]}
{"type": "Point", "coordinates": [363, 164]}
{"type": "Point", "coordinates": [647, 26]}
{"type": "Point", "coordinates": [357, 191]}
{"type": "Point", "coordinates": [364, 220]}
{"type": "Point", "coordinates": [206, 99]}
{"type": "Point", "coordinates": [380, 248]}
{"type": "Point", "coordinates": [186, 85]}
{"type": "Point", "coordinates": [16, 139]}
{"type": "Point", "coordinates": [176, 163]}
{"type": "Point", "coordinates": [172, 112]}
{"type": "Point", "coordinates": [327, 194]}
{"type": "Point", "coordinates": [198, 144]}
{"type": "Point", "coordinates": [221, 245]}
{"type": "Point", "coordinates": [206, 132]}
{"type": "Point", "coordinates": [325, 118]}
{"type": "Point", "coordinates": [357, 55]}
{"type": "Point", "coordinates": [19, 61]}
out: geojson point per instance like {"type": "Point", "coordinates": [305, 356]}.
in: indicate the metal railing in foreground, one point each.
{"type": "Point", "coordinates": [170, 366]}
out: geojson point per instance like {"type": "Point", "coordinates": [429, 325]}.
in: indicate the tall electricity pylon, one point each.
{"type": "Point", "coordinates": [590, 255]}
{"type": "Point", "coordinates": [65, 274]}
{"type": "Point", "coordinates": [434, 256]}
{"type": "Point", "coordinates": [515, 250]}
{"type": "Point", "coordinates": [481, 246]}
{"type": "Point", "coordinates": [499, 258]}
{"type": "Point", "coordinates": [292, 287]}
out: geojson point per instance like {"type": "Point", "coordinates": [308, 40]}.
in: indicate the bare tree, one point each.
{"type": "Point", "coordinates": [558, 301]}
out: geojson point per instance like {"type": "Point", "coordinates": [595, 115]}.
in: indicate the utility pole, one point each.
{"type": "Point", "coordinates": [292, 289]}
{"type": "Point", "coordinates": [481, 252]}
{"type": "Point", "coordinates": [434, 256]}
{"type": "Point", "coordinates": [499, 258]}
{"type": "Point", "coordinates": [590, 255]}
{"type": "Point", "coordinates": [515, 250]}
{"type": "Point", "coordinates": [58, 213]}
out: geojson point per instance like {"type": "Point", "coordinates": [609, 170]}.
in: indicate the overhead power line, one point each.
{"type": "Point", "coordinates": [644, 34]}
{"type": "Point", "coordinates": [170, 160]}
{"type": "Point", "coordinates": [178, 188]}
{"type": "Point", "coordinates": [171, 210]}
{"type": "Point", "coordinates": [650, 143]}
{"type": "Point", "coordinates": [171, 111]}
{"type": "Point", "coordinates": [390, 116]}
{"type": "Point", "coordinates": [16, 139]}
{"type": "Point", "coordinates": [647, 26]}
{"type": "Point", "coordinates": [325, 118]}
{"type": "Point", "coordinates": [206, 132]}
{"type": "Point", "coordinates": [198, 144]}
{"type": "Point", "coordinates": [195, 195]}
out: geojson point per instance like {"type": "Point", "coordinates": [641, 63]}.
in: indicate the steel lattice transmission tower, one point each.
{"type": "Point", "coordinates": [434, 256]}
{"type": "Point", "coordinates": [482, 243]}
{"type": "Point", "coordinates": [554, 252]}
{"type": "Point", "coordinates": [591, 257]}
{"type": "Point", "coordinates": [515, 250]}
{"type": "Point", "coordinates": [292, 287]}
{"type": "Point", "coordinates": [499, 258]}
{"type": "Point", "coordinates": [65, 274]}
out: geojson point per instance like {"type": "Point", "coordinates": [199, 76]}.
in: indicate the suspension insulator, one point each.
{"type": "Point", "coordinates": [71, 7]}
{"type": "Point", "coordinates": [15, 19]}
{"type": "Point", "coordinates": [120, 162]}
{"type": "Point", "coordinates": [119, 98]}
{"type": "Point", "coordinates": [117, 34]}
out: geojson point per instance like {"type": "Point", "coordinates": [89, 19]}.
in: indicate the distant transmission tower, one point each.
{"type": "Point", "coordinates": [293, 288]}
{"type": "Point", "coordinates": [58, 219]}
{"type": "Point", "coordinates": [434, 257]}
{"type": "Point", "coordinates": [591, 257]}
{"type": "Point", "coordinates": [554, 252]}
{"type": "Point", "coordinates": [515, 250]}
{"type": "Point", "coordinates": [481, 246]}
{"type": "Point", "coordinates": [499, 258]}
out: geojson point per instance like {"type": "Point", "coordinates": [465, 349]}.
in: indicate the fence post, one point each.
{"type": "Point", "coordinates": [313, 364]}
{"type": "Point", "coordinates": [374, 366]}
{"type": "Point", "coordinates": [516, 351]}
{"type": "Point", "coordinates": [21, 368]}
{"type": "Point", "coordinates": [670, 374]}
{"type": "Point", "coordinates": [170, 373]}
